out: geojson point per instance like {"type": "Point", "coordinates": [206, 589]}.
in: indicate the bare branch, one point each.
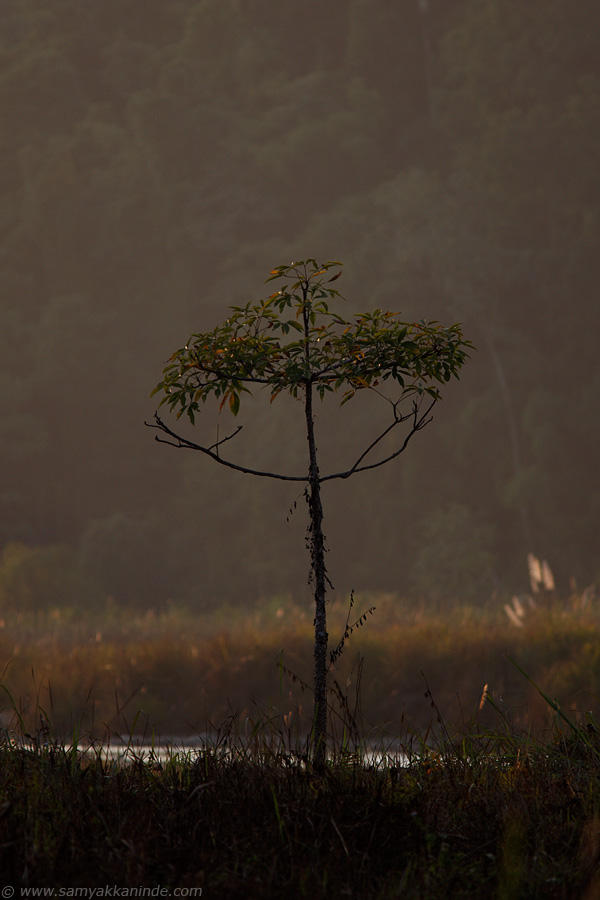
{"type": "Point", "coordinates": [218, 442]}
{"type": "Point", "coordinates": [183, 443]}
{"type": "Point", "coordinates": [419, 422]}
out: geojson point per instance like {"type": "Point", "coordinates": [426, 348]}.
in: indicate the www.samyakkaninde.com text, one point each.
{"type": "Point", "coordinates": [107, 890]}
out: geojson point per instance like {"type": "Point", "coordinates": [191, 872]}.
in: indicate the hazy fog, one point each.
{"type": "Point", "coordinates": [157, 160]}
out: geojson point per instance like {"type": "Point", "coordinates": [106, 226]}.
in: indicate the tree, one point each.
{"type": "Point", "coordinates": [292, 342]}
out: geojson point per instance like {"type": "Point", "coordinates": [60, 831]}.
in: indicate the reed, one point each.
{"type": "Point", "coordinates": [176, 670]}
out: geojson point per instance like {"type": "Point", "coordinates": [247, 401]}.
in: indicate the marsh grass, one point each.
{"type": "Point", "coordinates": [458, 791]}
{"type": "Point", "coordinates": [176, 671]}
{"type": "Point", "coordinates": [472, 812]}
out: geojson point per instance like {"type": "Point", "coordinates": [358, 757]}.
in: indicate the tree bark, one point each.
{"type": "Point", "coordinates": [316, 544]}
{"type": "Point", "coordinates": [317, 557]}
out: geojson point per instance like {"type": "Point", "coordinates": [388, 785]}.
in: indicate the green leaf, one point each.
{"type": "Point", "coordinates": [234, 403]}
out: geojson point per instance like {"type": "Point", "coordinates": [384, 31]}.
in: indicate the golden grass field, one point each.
{"type": "Point", "coordinates": [178, 672]}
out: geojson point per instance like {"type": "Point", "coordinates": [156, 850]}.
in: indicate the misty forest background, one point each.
{"type": "Point", "coordinates": [156, 164]}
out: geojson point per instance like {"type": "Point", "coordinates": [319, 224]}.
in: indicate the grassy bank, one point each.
{"type": "Point", "coordinates": [490, 815]}
{"type": "Point", "coordinates": [500, 796]}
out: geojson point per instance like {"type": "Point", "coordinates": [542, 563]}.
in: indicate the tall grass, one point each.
{"type": "Point", "coordinates": [177, 671]}
{"type": "Point", "coordinates": [497, 793]}
{"type": "Point", "coordinates": [486, 813]}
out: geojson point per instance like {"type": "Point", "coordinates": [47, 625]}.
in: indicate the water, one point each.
{"type": "Point", "coordinates": [126, 750]}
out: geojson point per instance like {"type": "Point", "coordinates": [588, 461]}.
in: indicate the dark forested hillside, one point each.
{"type": "Point", "coordinates": [156, 162]}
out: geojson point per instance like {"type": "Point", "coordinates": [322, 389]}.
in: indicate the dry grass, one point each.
{"type": "Point", "coordinates": [486, 806]}
{"type": "Point", "coordinates": [177, 671]}
{"type": "Point", "coordinates": [492, 814]}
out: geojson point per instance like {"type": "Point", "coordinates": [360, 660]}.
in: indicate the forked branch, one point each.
{"type": "Point", "coordinates": [419, 421]}
{"type": "Point", "coordinates": [213, 451]}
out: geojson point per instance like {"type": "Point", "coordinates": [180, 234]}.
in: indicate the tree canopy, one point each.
{"type": "Point", "coordinates": [258, 346]}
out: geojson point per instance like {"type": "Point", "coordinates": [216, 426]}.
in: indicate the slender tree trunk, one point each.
{"type": "Point", "coordinates": [317, 558]}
